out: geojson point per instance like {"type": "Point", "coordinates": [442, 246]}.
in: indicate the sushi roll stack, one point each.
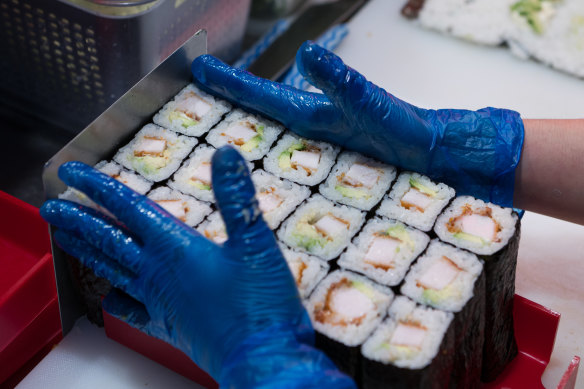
{"type": "Point", "coordinates": [406, 285]}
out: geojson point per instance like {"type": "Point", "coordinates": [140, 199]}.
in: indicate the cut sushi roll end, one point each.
{"type": "Point", "coordinates": [300, 155]}
{"type": "Point", "coordinates": [472, 224]}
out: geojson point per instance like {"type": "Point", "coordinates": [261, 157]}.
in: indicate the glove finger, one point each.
{"type": "Point", "coordinates": [131, 311]}
{"type": "Point", "coordinates": [89, 225]}
{"type": "Point", "coordinates": [101, 264]}
{"type": "Point", "coordinates": [290, 106]}
{"type": "Point", "coordinates": [141, 215]}
{"type": "Point", "coordinates": [236, 200]}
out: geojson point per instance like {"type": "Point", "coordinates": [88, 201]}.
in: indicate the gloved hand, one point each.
{"type": "Point", "coordinates": [476, 152]}
{"type": "Point", "coordinates": [234, 309]}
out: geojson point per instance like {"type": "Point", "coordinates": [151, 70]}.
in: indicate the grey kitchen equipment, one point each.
{"type": "Point", "coordinates": [65, 61]}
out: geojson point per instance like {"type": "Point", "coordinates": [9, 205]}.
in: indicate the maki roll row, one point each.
{"type": "Point", "coordinates": [406, 284]}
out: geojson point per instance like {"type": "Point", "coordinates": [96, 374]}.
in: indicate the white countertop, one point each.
{"type": "Point", "coordinates": [429, 70]}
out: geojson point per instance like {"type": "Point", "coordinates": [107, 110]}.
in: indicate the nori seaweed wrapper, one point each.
{"type": "Point", "coordinates": [91, 289]}
{"type": "Point", "coordinates": [436, 375]}
{"type": "Point", "coordinates": [469, 330]}
{"type": "Point", "coordinates": [500, 346]}
{"type": "Point", "coordinates": [346, 358]}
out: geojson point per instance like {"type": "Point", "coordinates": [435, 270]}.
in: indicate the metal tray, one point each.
{"type": "Point", "coordinates": [67, 60]}
{"type": "Point", "coordinates": [108, 133]}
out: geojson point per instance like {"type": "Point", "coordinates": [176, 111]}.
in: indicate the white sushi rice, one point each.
{"type": "Point", "coordinates": [473, 236]}
{"type": "Point", "coordinates": [321, 228]}
{"type": "Point", "coordinates": [357, 310]}
{"type": "Point", "coordinates": [132, 180]}
{"type": "Point", "coordinates": [186, 208]}
{"type": "Point", "coordinates": [560, 44]}
{"type": "Point", "coordinates": [307, 270]}
{"type": "Point", "coordinates": [479, 21]}
{"type": "Point", "coordinates": [252, 135]}
{"type": "Point", "coordinates": [286, 158]}
{"type": "Point", "coordinates": [358, 181]}
{"type": "Point", "coordinates": [181, 113]}
{"type": "Point", "coordinates": [213, 228]}
{"type": "Point", "coordinates": [436, 198]}
{"type": "Point", "coordinates": [379, 347]}
{"type": "Point", "coordinates": [454, 284]}
{"type": "Point", "coordinates": [194, 176]}
{"type": "Point", "coordinates": [384, 263]}
{"type": "Point", "coordinates": [277, 198]}
{"type": "Point", "coordinates": [155, 167]}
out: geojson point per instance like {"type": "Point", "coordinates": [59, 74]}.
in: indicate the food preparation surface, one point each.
{"type": "Point", "coordinates": [429, 70]}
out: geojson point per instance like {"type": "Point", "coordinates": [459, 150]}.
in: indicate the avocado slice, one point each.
{"type": "Point", "coordinates": [421, 187]}
{"type": "Point", "coordinates": [352, 192]}
{"type": "Point", "coordinates": [186, 121]}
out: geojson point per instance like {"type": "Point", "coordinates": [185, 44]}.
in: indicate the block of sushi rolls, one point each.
{"type": "Point", "coordinates": [384, 251]}
{"type": "Point", "coordinates": [452, 280]}
{"type": "Point", "coordinates": [301, 160]}
{"type": "Point", "coordinates": [413, 348]}
{"type": "Point", "coordinates": [155, 152]}
{"type": "Point", "coordinates": [185, 208]}
{"type": "Point", "coordinates": [194, 176]}
{"type": "Point", "coordinates": [307, 270]}
{"type": "Point", "coordinates": [357, 181]}
{"type": "Point", "coordinates": [416, 200]}
{"type": "Point", "coordinates": [321, 227]}
{"type": "Point", "coordinates": [549, 31]}
{"type": "Point", "coordinates": [277, 197]}
{"type": "Point", "coordinates": [492, 233]}
{"type": "Point", "coordinates": [192, 112]}
{"type": "Point", "coordinates": [213, 228]}
{"type": "Point", "coordinates": [344, 309]}
{"type": "Point", "coordinates": [252, 135]}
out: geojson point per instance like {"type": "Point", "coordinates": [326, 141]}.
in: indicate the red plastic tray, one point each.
{"type": "Point", "coordinates": [29, 311]}
{"type": "Point", "coordinates": [535, 329]}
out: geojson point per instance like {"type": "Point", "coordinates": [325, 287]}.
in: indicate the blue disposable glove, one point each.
{"type": "Point", "coordinates": [234, 309]}
{"type": "Point", "coordinates": [476, 152]}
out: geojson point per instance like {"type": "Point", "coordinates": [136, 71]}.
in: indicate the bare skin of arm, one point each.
{"type": "Point", "coordinates": [550, 176]}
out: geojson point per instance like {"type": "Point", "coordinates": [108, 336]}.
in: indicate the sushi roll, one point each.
{"type": "Point", "coordinates": [345, 308]}
{"type": "Point", "coordinates": [252, 135]}
{"type": "Point", "coordinates": [357, 181]}
{"type": "Point", "coordinates": [416, 200]}
{"type": "Point", "coordinates": [129, 178]}
{"type": "Point", "coordinates": [277, 198]}
{"type": "Point", "coordinates": [307, 270]}
{"type": "Point", "coordinates": [192, 112]}
{"type": "Point", "coordinates": [491, 232]}
{"type": "Point", "coordinates": [185, 208]}
{"type": "Point", "coordinates": [194, 176]}
{"type": "Point", "coordinates": [452, 280]}
{"type": "Point", "coordinates": [112, 169]}
{"type": "Point", "coordinates": [413, 348]}
{"type": "Point", "coordinates": [474, 225]}
{"type": "Point", "coordinates": [213, 228]}
{"type": "Point", "coordinates": [301, 160]}
{"type": "Point", "coordinates": [155, 152]}
{"type": "Point", "coordinates": [384, 251]}
{"type": "Point", "coordinates": [321, 228]}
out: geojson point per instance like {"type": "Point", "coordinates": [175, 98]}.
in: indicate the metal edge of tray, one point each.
{"type": "Point", "coordinates": [100, 139]}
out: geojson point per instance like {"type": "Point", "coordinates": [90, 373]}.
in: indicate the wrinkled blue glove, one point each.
{"type": "Point", "coordinates": [234, 309]}
{"type": "Point", "coordinates": [476, 152]}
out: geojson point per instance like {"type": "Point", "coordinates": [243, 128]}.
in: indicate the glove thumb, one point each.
{"type": "Point", "coordinates": [328, 72]}
{"type": "Point", "coordinates": [235, 195]}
